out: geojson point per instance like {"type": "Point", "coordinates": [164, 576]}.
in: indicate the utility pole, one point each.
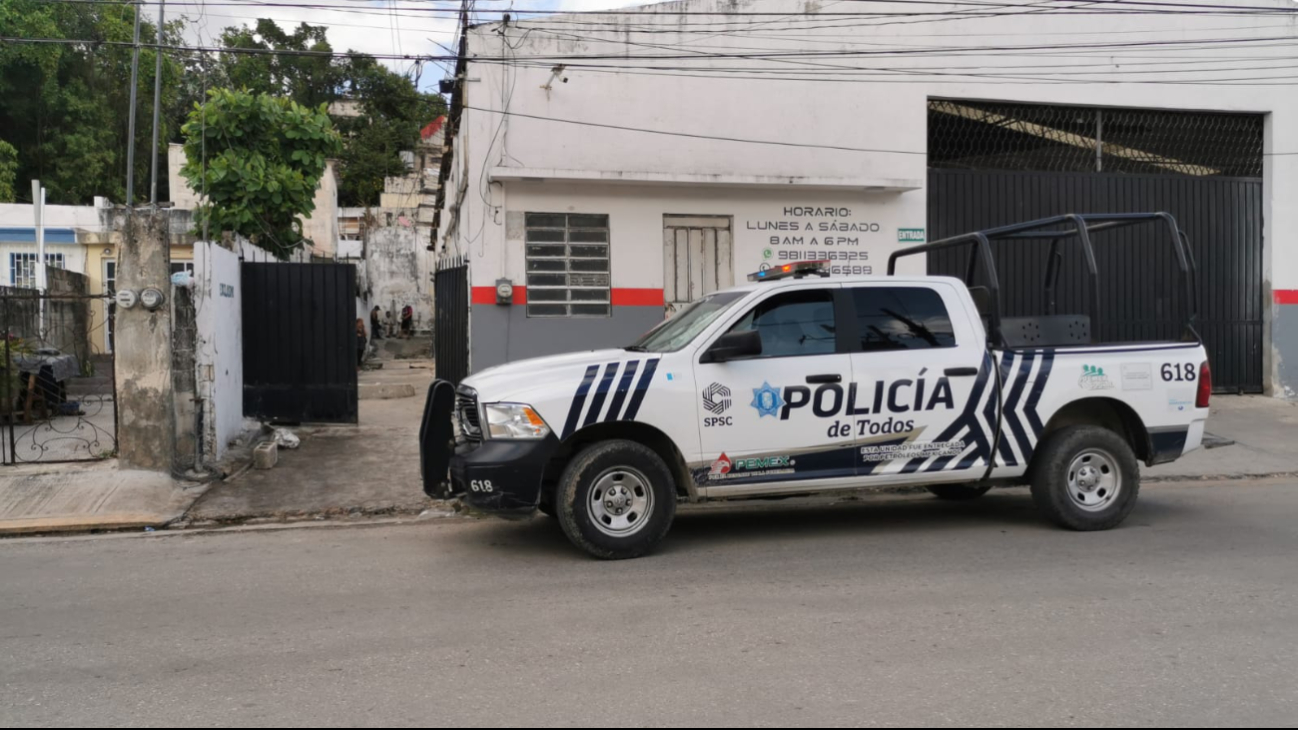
{"type": "Point", "coordinates": [130, 142]}
{"type": "Point", "coordinates": [157, 102]}
{"type": "Point", "coordinates": [38, 208]}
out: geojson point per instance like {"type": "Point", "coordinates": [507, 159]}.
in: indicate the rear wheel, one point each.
{"type": "Point", "coordinates": [616, 500]}
{"type": "Point", "coordinates": [958, 492]}
{"type": "Point", "coordinates": [1085, 478]}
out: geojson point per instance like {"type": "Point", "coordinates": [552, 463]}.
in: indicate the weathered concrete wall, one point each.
{"type": "Point", "coordinates": [146, 437]}
{"type": "Point", "coordinates": [220, 346]}
{"type": "Point", "coordinates": [67, 314]}
{"type": "Point", "coordinates": [394, 271]}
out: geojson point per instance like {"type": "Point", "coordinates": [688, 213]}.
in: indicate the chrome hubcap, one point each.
{"type": "Point", "coordinates": [621, 501]}
{"type": "Point", "coordinates": [1094, 481]}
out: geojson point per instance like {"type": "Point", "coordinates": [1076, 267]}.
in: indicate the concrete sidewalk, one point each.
{"type": "Point", "coordinates": [98, 496]}
{"type": "Point", "coordinates": [1263, 430]}
{"type": "Point", "coordinates": [364, 470]}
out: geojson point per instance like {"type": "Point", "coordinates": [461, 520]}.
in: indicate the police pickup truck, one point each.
{"type": "Point", "coordinates": [803, 383]}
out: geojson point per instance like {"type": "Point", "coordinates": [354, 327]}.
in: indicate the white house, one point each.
{"type": "Point", "coordinates": [613, 166]}
{"type": "Point", "coordinates": [18, 254]}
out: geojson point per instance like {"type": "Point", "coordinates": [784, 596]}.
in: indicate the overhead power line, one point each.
{"type": "Point", "coordinates": [1098, 7]}
{"type": "Point", "coordinates": [622, 57]}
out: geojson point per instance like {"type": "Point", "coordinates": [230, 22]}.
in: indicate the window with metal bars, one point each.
{"type": "Point", "coordinates": [567, 265]}
{"type": "Point", "coordinates": [1041, 138]}
{"type": "Point", "coordinates": [22, 267]}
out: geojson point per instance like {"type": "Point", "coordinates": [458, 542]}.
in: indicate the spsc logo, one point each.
{"type": "Point", "coordinates": [716, 399]}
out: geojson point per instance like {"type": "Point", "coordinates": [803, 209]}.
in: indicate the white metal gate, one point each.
{"type": "Point", "coordinates": [696, 258]}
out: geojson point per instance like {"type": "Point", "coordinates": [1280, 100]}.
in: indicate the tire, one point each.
{"type": "Point", "coordinates": [958, 492]}
{"type": "Point", "coordinates": [616, 500]}
{"type": "Point", "coordinates": [1085, 478]}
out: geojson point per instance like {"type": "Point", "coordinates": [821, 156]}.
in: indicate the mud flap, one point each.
{"type": "Point", "coordinates": [437, 440]}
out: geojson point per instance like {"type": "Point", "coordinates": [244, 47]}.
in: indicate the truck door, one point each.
{"type": "Point", "coordinates": [765, 419]}
{"type": "Point", "coordinates": [924, 397]}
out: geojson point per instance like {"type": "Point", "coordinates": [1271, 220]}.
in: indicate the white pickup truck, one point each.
{"type": "Point", "coordinates": [803, 383]}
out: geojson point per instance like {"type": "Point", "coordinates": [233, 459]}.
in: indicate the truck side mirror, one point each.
{"type": "Point", "coordinates": [733, 346]}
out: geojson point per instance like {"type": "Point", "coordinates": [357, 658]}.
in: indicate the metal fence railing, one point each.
{"type": "Point", "coordinates": [451, 319]}
{"type": "Point", "coordinates": [57, 395]}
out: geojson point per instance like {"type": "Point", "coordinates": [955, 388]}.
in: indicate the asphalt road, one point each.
{"type": "Point", "coordinates": [884, 612]}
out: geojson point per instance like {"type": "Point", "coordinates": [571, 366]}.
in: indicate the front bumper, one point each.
{"type": "Point", "coordinates": [493, 475]}
{"type": "Point", "coordinates": [501, 476]}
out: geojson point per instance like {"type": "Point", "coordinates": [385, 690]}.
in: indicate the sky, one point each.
{"type": "Point", "coordinates": [375, 26]}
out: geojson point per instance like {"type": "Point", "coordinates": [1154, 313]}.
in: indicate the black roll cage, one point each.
{"type": "Point", "coordinates": [1056, 230]}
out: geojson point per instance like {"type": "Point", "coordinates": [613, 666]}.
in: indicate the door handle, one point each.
{"type": "Point", "coordinates": [961, 372]}
{"type": "Point", "coordinates": [826, 378]}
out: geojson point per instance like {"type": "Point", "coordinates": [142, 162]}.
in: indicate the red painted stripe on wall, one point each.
{"type": "Point", "coordinates": [1286, 296]}
{"type": "Point", "coordinates": [637, 297]}
{"type": "Point", "coordinates": [622, 297]}
{"type": "Point", "coordinates": [487, 295]}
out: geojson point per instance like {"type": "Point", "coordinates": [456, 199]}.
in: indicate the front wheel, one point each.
{"type": "Point", "coordinates": [616, 500]}
{"type": "Point", "coordinates": [1085, 478]}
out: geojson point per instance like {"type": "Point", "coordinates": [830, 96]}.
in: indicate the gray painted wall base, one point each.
{"type": "Point", "coordinates": [1284, 333]}
{"type": "Point", "coordinates": [504, 333]}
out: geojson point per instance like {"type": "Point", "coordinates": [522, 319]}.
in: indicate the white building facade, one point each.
{"type": "Point", "coordinates": [613, 167]}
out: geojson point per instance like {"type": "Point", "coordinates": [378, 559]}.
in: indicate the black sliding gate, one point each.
{"type": "Point", "coordinates": [451, 319]}
{"type": "Point", "coordinates": [1222, 217]}
{"type": "Point", "coordinates": [299, 342]}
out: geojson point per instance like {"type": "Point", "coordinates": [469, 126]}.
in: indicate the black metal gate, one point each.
{"type": "Point", "coordinates": [57, 388]}
{"type": "Point", "coordinates": [451, 319]}
{"type": "Point", "coordinates": [1222, 217]}
{"type": "Point", "coordinates": [299, 342]}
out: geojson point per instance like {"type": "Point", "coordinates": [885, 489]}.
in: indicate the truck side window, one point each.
{"type": "Point", "coordinates": [794, 323]}
{"type": "Point", "coordinates": [901, 318]}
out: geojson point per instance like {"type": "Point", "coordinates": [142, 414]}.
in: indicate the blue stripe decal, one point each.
{"type": "Point", "coordinates": [579, 400]}
{"type": "Point", "coordinates": [1034, 418]}
{"type": "Point", "coordinates": [1012, 406]}
{"type": "Point", "coordinates": [597, 403]}
{"type": "Point", "coordinates": [619, 397]}
{"type": "Point", "coordinates": [641, 388]}
{"type": "Point", "coordinates": [969, 420]}
{"type": "Point", "coordinates": [997, 405]}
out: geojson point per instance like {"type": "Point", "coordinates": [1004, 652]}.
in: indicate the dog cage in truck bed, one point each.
{"type": "Point", "coordinates": [1049, 328]}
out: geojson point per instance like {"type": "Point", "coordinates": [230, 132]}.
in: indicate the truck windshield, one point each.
{"type": "Point", "coordinates": [680, 330]}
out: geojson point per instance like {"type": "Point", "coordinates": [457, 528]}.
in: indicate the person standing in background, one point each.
{"type": "Point", "coordinates": [360, 343]}
{"type": "Point", "coordinates": [407, 322]}
{"type": "Point", "coordinates": [376, 323]}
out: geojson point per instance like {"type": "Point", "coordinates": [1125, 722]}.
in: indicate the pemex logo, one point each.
{"type": "Point", "coordinates": [716, 398]}
{"type": "Point", "coordinates": [720, 466]}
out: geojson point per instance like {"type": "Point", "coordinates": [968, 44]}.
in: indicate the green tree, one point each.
{"type": "Point", "coordinates": [264, 158]}
{"type": "Point", "coordinates": [392, 109]}
{"type": "Point", "coordinates": [65, 106]}
{"type": "Point", "coordinates": [393, 112]}
{"type": "Point", "coordinates": [8, 171]}
{"type": "Point", "coordinates": [308, 80]}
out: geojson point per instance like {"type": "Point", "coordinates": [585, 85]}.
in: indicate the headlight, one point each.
{"type": "Point", "coordinates": [514, 421]}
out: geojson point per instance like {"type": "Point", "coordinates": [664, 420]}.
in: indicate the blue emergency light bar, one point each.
{"type": "Point", "coordinates": [797, 270]}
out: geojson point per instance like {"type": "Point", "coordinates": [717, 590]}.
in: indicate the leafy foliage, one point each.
{"type": "Point", "coordinates": [8, 171]}
{"type": "Point", "coordinates": [264, 158]}
{"type": "Point", "coordinates": [64, 107]}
